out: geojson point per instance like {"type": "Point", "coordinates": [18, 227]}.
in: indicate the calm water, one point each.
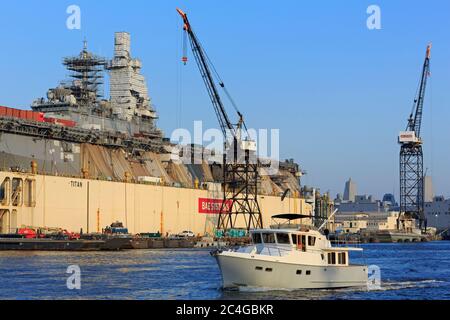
{"type": "Point", "coordinates": [408, 271]}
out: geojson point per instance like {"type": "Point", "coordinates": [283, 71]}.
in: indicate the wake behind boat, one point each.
{"type": "Point", "coordinates": [285, 258]}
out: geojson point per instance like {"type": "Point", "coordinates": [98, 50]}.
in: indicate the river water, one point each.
{"type": "Point", "coordinates": [408, 271]}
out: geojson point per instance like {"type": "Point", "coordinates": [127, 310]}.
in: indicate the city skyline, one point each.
{"type": "Point", "coordinates": [351, 191]}
{"type": "Point", "coordinates": [345, 91]}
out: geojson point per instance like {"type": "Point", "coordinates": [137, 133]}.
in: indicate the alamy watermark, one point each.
{"type": "Point", "coordinates": [374, 278]}
{"type": "Point", "coordinates": [73, 22]}
{"type": "Point", "coordinates": [374, 19]}
{"type": "Point", "coordinates": [74, 280]}
{"type": "Point", "coordinates": [255, 146]}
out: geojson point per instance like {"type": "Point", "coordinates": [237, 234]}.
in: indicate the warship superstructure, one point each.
{"type": "Point", "coordinates": [82, 142]}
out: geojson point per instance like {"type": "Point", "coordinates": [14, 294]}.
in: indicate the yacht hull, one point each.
{"type": "Point", "coordinates": [242, 271]}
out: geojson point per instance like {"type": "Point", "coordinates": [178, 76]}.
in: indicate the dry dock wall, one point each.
{"type": "Point", "coordinates": [74, 204]}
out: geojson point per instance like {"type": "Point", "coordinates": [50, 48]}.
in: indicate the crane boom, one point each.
{"type": "Point", "coordinates": [205, 70]}
{"type": "Point", "coordinates": [415, 122]}
{"type": "Point", "coordinates": [240, 171]}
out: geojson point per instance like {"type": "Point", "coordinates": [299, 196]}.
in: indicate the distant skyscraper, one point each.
{"type": "Point", "coordinates": [350, 191]}
{"type": "Point", "coordinates": [389, 197]}
{"type": "Point", "coordinates": [428, 189]}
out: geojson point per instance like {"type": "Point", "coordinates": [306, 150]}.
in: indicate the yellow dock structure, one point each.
{"type": "Point", "coordinates": [28, 199]}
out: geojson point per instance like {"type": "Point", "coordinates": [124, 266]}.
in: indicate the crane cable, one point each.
{"type": "Point", "coordinates": [222, 85]}
{"type": "Point", "coordinates": [430, 81]}
{"type": "Point", "coordinates": [179, 84]}
{"type": "Point", "coordinates": [185, 54]}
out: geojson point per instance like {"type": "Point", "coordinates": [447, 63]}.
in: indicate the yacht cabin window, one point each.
{"type": "Point", "coordinates": [294, 239]}
{"type": "Point", "coordinates": [299, 241]}
{"type": "Point", "coordinates": [311, 241]}
{"type": "Point", "coordinates": [256, 238]}
{"type": "Point", "coordinates": [342, 258]}
{"type": "Point", "coordinates": [283, 238]}
{"type": "Point", "coordinates": [268, 237]}
{"type": "Point", "coordinates": [331, 258]}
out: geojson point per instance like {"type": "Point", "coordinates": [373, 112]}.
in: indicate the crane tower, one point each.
{"type": "Point", "coordinates": [411, 158]}
{"type": "Point", "coordinates": [240, 165]}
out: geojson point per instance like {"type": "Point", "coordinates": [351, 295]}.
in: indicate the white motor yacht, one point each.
{"type": "Point", "coordinates": [286, 258]}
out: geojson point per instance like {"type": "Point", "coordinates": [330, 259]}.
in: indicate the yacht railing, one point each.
{"type": "Point", "coordinates": [278, 250]}
{"type": "Point", "coordinates": [275, 251]}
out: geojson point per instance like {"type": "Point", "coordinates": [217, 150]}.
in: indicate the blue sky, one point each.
{"type": "Point", "coordinates": [340, 93]}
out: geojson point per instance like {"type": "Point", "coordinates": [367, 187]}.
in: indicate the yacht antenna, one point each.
{"type": "Point", "coordinates": [328, 219]}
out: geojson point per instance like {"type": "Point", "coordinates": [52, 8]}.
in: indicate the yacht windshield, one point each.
{"type": "Point", "coordinates": [256, 238]}
{"type": "Point", "coordinates": [283, 238]}
{"type": "Point", "coordinates": [268, 237]}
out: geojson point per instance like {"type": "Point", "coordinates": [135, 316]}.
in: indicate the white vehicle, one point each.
{"type": "Point", "coordinates": [300, 258]}
{"type": "Point", "coordinates": [186, 234]}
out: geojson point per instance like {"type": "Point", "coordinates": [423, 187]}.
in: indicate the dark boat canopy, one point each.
{"type": "Point", "coordinates": [291, 216]}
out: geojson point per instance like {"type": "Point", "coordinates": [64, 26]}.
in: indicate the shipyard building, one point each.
{"type": "Point", "coordinates": [363, 213]}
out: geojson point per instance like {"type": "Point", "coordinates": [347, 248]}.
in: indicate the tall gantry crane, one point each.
{"type": "Point", "coordinates": [240, 166]}
{"type": "Point", "coordinates": [411, 158]}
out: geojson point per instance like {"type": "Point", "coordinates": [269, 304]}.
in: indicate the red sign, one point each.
{"type": "Point", "coordinates": [212, 206]}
